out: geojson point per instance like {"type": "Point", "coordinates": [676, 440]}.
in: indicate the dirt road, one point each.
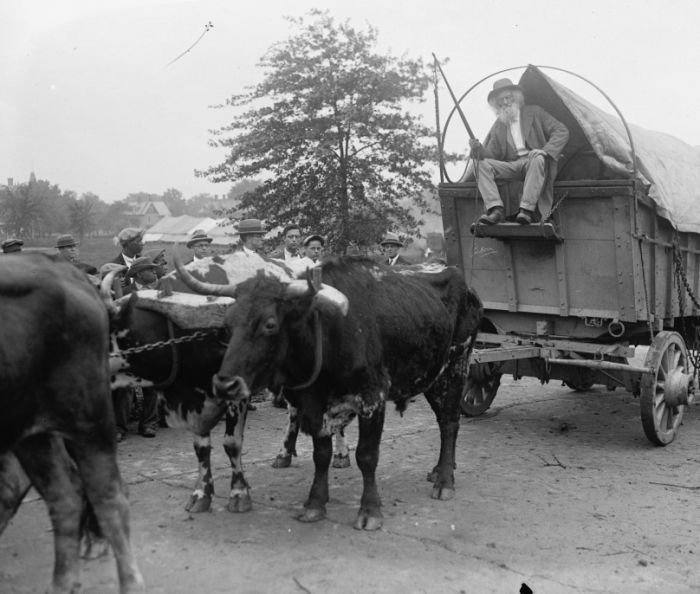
{"type": "Point", "coordinates": [555, 489]}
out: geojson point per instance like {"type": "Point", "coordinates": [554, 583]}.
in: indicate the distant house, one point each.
{"type": "Point", "coordinates": [145, 214]}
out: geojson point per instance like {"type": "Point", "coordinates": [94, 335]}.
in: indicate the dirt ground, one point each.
{"type": "Point", "coordinates": [555, 489]}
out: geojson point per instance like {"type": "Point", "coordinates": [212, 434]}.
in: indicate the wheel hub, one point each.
{"type": "Point", "coordinates": [678, 388]}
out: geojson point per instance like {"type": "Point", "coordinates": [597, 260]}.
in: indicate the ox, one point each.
{"type": "Point", "coordinates": [57, 424]}
{"type": "Point", "coordinates": [369, 335]}
{"type": "Point", "coordinates": [183, 372]}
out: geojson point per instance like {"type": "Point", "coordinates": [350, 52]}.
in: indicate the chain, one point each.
{"type": "Point", "coordinates": [198, 335]}
{"type": "Point", "coordinates": [693, 350]}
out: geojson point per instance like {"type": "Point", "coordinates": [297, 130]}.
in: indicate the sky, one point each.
{"type": "Point", "coordinates": [91, 102]}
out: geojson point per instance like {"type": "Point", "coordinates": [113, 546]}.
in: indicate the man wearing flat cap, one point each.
{"type": "Point", "coordinates": [391, 244]}
{"type": "Point", "coordinates": [12, 246]}
{"type": "Point", "coordinates": [524, 143]}
{"type": "Point", "coordinates": [313, 247]}
{"type": "Point", "coordinates": [67, 248]}
{"type": "Point", "coordinates": [131, 241]}
{"type": "Point", "coordinates": [251, 233]}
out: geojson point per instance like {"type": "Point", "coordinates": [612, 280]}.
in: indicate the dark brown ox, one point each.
{"type": "Point", "coordinates": [57, 422]}
{"type": "Point", "coordinates": [397, 334]}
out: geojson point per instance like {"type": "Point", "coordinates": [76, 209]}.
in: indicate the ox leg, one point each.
{"type": "Point", "coordinates": [367, 457]}
{"type": "Point", "coordinates": [289, 445]}
{"type": "Point", "coordinates": [239, 497]}
{"type": "Point", "coordinates": [200, 500]}
{"type": "Point", "coordinates": [97, 465]}
{"type": "Point", "coordinates": [444, 400]}
{"type": "Point", "coordinates": [48, 466]}
{"type": "Point", "coordinates": [200, 423]}
{"type": "Point", "coordinates": [341, 452]}
{"type": "Point", "coordinates": [14, 485]}
{"type": "Point", "coordinates": [315, 506]}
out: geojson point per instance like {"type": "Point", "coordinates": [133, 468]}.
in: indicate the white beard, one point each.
{"type": "Point", "coordinates": [508, 113]}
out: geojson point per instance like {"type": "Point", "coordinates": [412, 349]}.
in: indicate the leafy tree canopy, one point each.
{"type": "Point", "coordinates": [328, 131]}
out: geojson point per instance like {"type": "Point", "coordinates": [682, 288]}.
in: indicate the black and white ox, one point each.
{"type": "Point", "coordinates": [369, 335]}
{"type": "Point", "coordinates": [183, 370]}
{"type": "Point", "coordinates": [57, 424]}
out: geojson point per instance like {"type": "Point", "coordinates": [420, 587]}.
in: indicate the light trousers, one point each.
{"type": "Point", "coordinates": [531, 170]}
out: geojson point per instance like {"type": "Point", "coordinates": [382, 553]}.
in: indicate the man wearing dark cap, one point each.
{"type": "Point", "coordinates": [12, 246]}
{"type": "Point", "coordinates": [67, 248]}
{"type": "Point", "coordinates": [199, 243]}
{"type": "Point", "coordinates": [251, 233]}
{"type": "Point", "coordinates": [524, 143]}
{"type": "Point", "coordinates": [391, 244]}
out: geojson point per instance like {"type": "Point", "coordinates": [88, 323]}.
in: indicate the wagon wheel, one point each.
{"type": "Point", "coordinates": [665, 392]}
{"type": "Point", "coordinates": [480, 389]}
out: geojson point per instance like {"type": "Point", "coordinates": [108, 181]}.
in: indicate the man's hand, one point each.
{"type": "Point", "coordinates": [536, 153]}
{"type": "Point", "coordinates": [477, 150]}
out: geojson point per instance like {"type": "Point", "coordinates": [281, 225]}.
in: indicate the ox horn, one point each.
{"type": "Point", "coordinates": [106, 289]}
{"type": "Point", "coordinates": [199, 286]}
{"type": "Point", "coordinates": [326, 294]}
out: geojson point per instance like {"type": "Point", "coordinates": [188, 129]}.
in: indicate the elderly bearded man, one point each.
{"type": "Point", "coordinates": [524, 143]}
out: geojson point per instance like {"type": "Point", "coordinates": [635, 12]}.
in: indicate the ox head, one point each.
{"type": "Point", "coordinates": [271, 328]}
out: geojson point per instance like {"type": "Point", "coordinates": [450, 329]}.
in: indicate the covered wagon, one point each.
{"type": "Point", "coordinates": [613, 264]}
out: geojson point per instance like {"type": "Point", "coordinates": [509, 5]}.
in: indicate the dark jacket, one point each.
{"type": "Point", "coordinates": [540, 131]}
{"type": "Point", "coordinates": [400, 261]}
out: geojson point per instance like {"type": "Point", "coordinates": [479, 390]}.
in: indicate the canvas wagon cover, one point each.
{"type": "Point", "coordinates": [669, 166]}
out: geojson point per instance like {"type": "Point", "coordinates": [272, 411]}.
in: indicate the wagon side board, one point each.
{"type": "Point", "coordinates": [609, 259]}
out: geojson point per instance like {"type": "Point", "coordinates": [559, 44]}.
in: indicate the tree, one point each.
{"type": "Point", "coordinates": [174, 201]}
{"type": "Point", "coordinates": [328, 131]}
{"type": "Point", "coordinates": [82, 213]}
{"type": "Point", "coordinates": [24, 207]}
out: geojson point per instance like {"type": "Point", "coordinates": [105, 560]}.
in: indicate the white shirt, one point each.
{"type": "Point", "coordinates": [290, 256]}
{"type": "Point", "coordinates": [128, 261]}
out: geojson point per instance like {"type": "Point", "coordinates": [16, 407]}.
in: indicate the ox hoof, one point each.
{"type": "Point", "coordinates": [311, 515]}
{"type": "Point", "coordinates": [198, 504]}
{"type": "Point", "coordinates": [239, 504]}
{"type": "Point", "coordinates": [340, 461]}
{"type": "Point", "coordinates": [443, 493]}
{"type": "Point", "coordinates": [282, 461]}
{"type": "Point", "coordinates": [368, 520]}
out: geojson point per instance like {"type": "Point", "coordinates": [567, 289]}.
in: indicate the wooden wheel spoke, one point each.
{"type": "Point", "coordinates": [667, 358]}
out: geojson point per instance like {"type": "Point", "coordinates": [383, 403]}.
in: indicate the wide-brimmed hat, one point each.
{"type": "Point", "coordinates": [65, 241]}
{"type": "Point", "coordinates": [11, 245]}
{"type": "Point", "coordinates": [139, 265]}
{"type": "Point", "coordinates": [502, 84]}
{"type": "Point", "coordinates": [311, 238]}
{"type": "Point", "coordinates": [198, 236]}
{"type": "Point", "coordinates": [391, 239]}
{"type": "Point", "coordinates": [250, 227]}
{"type": "Point", "coordinates": [129, 234]}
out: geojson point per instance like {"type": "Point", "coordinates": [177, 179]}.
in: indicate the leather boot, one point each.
{"type": "Point", "coordinates": [524, 216]}
{"type": "Point", "coordinates": [494, 216]}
